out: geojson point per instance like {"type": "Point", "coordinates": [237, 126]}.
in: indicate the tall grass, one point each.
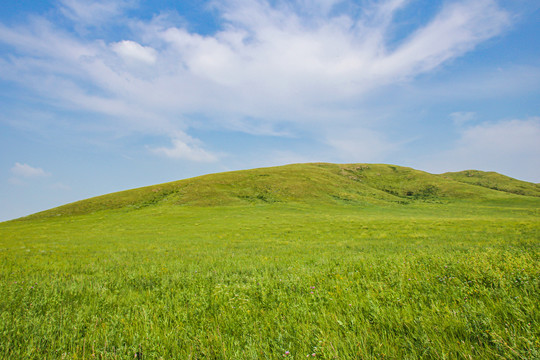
{"type": "Point", "coordinates": [430, 281]}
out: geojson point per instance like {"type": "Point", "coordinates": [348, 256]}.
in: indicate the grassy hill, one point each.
{"type": "Point", "coordinates": [493, 180]}
{"type": "Point", "coordinates": [324, 261]}
{"type": "Point", "coordinates": [317, 183]}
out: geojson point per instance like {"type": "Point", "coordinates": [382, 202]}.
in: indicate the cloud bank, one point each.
{"type": "Point", "coordinates": [295, 65]}
{"type": "Point", "coordinates": [494, 146]}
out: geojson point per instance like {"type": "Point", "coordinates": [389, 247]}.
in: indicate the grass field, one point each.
{"type": "Point", "coordinates": [426, 277]}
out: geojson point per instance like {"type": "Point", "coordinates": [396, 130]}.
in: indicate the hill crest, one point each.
{"type": "Point", "coordinates": [333, 184]}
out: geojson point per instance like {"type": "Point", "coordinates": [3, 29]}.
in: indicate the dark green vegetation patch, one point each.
{"type": "Point", "coordinates": [326, 261]}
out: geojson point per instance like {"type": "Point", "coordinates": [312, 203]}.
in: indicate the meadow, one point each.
{"type": "Point", "coordinates": [275, 280]}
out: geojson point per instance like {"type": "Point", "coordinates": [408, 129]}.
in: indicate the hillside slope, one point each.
{"type": "Point", "coordinates": [493, 180]}
{"type": "Point", "coordinates": [356, 184]}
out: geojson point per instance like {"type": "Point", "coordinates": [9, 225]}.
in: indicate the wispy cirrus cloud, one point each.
{"type": "Point", "coordinates": [460, 118]}
{"type": "Point", "coordinates": [269, 61]}
{"type": "Point", "coordinates": [187, 148]}
{"type": "Point", "coordinates": [93, 12]}
{"type": "Point", "coordinates": [27, 171]}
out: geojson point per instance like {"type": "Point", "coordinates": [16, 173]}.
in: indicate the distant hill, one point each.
{"type": "Point", "coordinates": [495, 181]}
{"type": "Point", "coordinates": [354, 184]}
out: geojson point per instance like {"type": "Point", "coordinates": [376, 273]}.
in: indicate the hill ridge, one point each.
{"type": "Point", "coordinates": [332, 184]}
{"type": "Point", "coordinates": [495, 181]}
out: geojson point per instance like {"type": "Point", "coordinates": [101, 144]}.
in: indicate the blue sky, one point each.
{"type": "Point", "coordinates": [102, 96]}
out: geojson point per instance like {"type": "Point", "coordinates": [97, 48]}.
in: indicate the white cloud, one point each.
{"type": "Point", "coordinates": [130, 50]}
{"type": "Point", "coordinates": [186, 148]}
{"type": "Point", "coordinates": [27, 171]}
{"type": "Point", "coordinates": [268, 62]}
{"type": "Point", "coordinates": [458, 28]}
{"type": "Point", "coordinates": [92, 12]}
{"type": "Point", "coordinates": [504, 137]}
{"type": "Point", "coordinates": [509, 147]}
{"type": "Point", "coordinates": [460, 118]}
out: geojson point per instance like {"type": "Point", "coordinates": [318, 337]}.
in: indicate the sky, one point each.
{"type": "Point", "coordinates": [108, 95]}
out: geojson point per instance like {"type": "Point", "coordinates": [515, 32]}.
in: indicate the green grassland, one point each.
{"type": "Point", "coordinates": [356, 261]}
